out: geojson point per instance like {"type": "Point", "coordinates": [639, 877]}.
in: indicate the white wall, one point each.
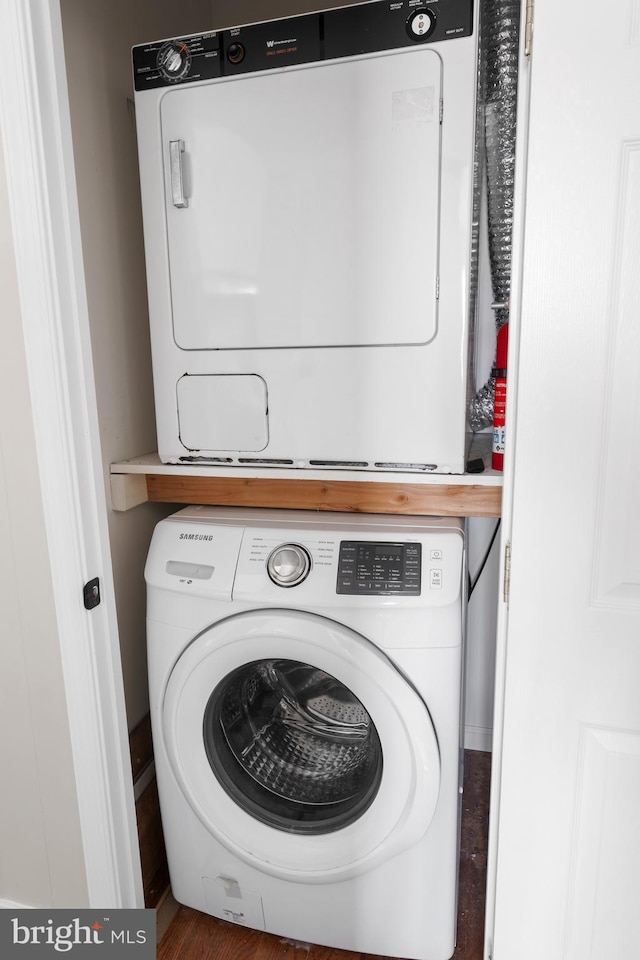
{"type": "Point", "coordinates": [98, 37]}
{"type": "Point", "coordinates": [480, 658]}
{"type": "Point", "coordinates": [483, 604]}
{"type": "Point", "coordinates": [42, 861]}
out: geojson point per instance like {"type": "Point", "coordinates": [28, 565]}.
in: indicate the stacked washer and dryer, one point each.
{"type": "Point", "coordinates": [307, 191]}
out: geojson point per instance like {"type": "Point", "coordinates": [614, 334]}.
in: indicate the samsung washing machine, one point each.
{"type": "Point", "coordinates": [307, 190]}
{"type": "Point", "coordinates": [305, 679]}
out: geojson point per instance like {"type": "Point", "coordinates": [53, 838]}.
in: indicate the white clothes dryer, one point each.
{"type": "Point", "coordinates": [307, 190]}
{"type": "Point", "coordinates": [305, 680]}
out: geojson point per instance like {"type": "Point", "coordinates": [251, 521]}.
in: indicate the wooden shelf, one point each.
{"type": "Point", "coordinates": [470, 495]}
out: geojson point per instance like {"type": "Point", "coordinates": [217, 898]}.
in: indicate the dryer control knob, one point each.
{"type": "Point", "coordinates": [421, 24]}
{"type": "Point", "coordinates": [174, 60]}
{"type": "Point", "coordinates": [288, 565]}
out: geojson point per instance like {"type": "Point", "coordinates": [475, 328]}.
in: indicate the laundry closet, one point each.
{"type": "Point", "coordinates": [103, 124]}
{"type": "Point", "coordinates": [567, 724]}
{"type": "Point", "coordinates": [97, 51]}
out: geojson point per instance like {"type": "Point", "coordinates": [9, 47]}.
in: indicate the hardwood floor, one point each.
{"type": "Point", "coordinates": [153, 858]}
{"type": "Point", "coordinates": [473, 855]}
{"type": "Point", "coordinates": [195, 936]}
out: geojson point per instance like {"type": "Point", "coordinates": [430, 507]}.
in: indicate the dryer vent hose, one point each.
{"type": "Point", "coordinates": [495, 156]}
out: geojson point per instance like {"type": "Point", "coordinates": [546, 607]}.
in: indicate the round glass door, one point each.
{"type": "Point", "coordinates": [293, 746]}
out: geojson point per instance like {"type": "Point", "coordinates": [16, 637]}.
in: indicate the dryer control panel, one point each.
{"type": "Point", "coordinates": [344, 32]}
{"type": "Point", "coordinates": [373, 568]}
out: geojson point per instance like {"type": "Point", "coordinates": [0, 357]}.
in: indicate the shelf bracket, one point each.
{"type": "Point", "coordinates": [128, 490]}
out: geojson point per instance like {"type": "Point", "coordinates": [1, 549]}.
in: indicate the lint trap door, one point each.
{"type": "Point", "coordinates": [302, 207]}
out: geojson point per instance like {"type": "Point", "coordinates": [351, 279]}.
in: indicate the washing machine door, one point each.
{"type": "Point", "coordinates": [299, 745]}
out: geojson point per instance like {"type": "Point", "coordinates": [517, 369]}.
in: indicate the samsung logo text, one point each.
{"type": "Point", "coordinates": [196, 536]}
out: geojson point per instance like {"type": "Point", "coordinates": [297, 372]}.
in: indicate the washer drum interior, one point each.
{"type": "Point", "coordinates": [293, 746]}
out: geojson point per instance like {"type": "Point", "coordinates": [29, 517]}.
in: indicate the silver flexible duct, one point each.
{"type": "Point", "coordinates": [478, 173]}
{"type": "Point", "coordinates": [497, 104]}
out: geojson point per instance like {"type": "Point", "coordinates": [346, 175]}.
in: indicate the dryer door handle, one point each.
{"type": "Point", "coordinates": [176, 149]}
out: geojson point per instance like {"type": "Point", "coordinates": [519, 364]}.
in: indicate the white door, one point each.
{"type": "Point", "coordinates": [568, 831]}
{"type": "Point", "coordinates": [313, 205]}
{"type": "Point", "coordinates": [35, 126]}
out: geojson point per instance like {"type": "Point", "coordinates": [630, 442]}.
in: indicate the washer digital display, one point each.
{"type": "Point", "coordinates": [374, 568]}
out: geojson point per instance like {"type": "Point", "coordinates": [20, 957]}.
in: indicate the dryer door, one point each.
{"type": "Point", "coordinates": [299, 745]}
{"type": "Point", "coordinates": [312, 214]}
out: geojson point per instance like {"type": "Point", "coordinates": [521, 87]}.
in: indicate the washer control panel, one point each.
{"type": "Point", "coordinates": [342, 32]}
{"type": "Point", "coordinates": [376, 568]}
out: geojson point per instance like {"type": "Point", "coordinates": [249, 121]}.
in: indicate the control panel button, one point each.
{"type": "Point", "coordinates": [376, 568]}
{"type": "Point", "coordinates": [435, 579]}
{"type": "Point", "coordinates": [235, 53]}
{"type": "Point", "coordinates": [288, 565]}
{"type": "Point", "coordinates": [421, 24]}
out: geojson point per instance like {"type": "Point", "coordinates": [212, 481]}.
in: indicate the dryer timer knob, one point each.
{"type": "Point", "coordinates": [174, 60]}
{"type": "Point", "coordinates": [288, 565]}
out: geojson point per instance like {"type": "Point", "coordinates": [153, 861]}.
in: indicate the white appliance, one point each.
{"type": "Point", "coordinates": [305, 681]}
{"type": "Point", "coordinates": [307, 200]}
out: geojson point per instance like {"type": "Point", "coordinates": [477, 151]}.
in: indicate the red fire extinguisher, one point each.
{"type": "Point", "coordinates": [499, 374]}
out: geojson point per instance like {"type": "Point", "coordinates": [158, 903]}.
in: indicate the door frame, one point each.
{"type": "Point", "coordinates": [508, 491]}
{"type": "Point", "coordinates": [36, 130]}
